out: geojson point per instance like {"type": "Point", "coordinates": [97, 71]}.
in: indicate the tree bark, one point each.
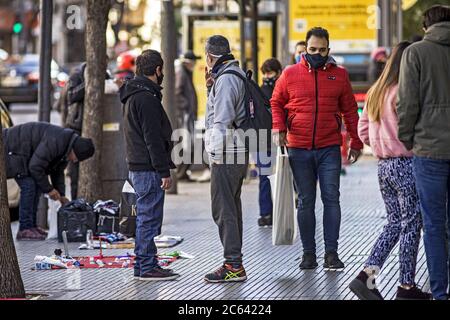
{"type": "Point", "coordinates": [11, 285]}
{"type": "Point", "coordinates": [169, 52]}
{"type": "Point", "coordinates": [89, 185]}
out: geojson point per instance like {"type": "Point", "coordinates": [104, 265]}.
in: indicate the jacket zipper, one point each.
{"type": "Point", "coordinates": [317, 109]}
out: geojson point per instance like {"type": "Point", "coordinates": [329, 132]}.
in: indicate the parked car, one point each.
{"type": "Point", "coordinates": [19, 78]}
{"type": "Point", "coordinates": [13, 188]}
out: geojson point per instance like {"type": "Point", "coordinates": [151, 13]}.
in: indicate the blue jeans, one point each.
{"type": "Point", "coordinates": [433, 186]}
{"type": "Point", "coordinates": [265, 190]}
{"type": "Point", "coordinates": [308, 166]}
{"type": "Point", "coordinates": [149, 208]}
{"type": "Point", "coordinates": [29, 200]}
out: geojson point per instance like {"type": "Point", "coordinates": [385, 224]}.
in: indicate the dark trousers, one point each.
{"type": "Point", "coordinates": [29, 200]}
{"type": "Point", "coordinates": [433, 186]}
{"type": "Point", "coordinates": [74, 172]}
{"type": "Point", "coordinates": [308, 166]}
{"type": "Point", "coordinates": [149, 207]}
{"type": "Point", "coordinates": [226, 186]}
{"type": "Point", "coordinates": [265, 190]}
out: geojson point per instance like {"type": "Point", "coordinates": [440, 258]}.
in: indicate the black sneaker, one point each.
{"type": "Point", "coordinates": [359, 287]}
{"type": "Point", "coordinates": [412, 294]}
{"type": "Point", "coordinates": [265, 221]}
{"type": "Point", "coordinates": [332, 261]}
{"type": "Point", "coordinates": [308, 261]}
{"type": "Point", "coordinates": [159, 274]}
{"type": "Point", "coordinates": [137, 273]}
{"type": "Point", "coordinates": [227, 273]}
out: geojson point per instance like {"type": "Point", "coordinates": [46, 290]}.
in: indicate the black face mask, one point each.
{"type": "Point", "coordinates": [270, 81]}
{"type": "Point", "coordinates": [316, 61]}
{"type": "Point", "coordinates": [160, 78]}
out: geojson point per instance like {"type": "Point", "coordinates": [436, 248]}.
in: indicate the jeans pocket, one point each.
{"type": "Point", "coordinates": [142, 182]}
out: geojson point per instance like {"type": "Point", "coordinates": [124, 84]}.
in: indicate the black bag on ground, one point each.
{"type": "Point", "coordinates": [127, 224]}
{"type": "Point", "coordinates": [107, 217]}
{"type": "Point", "coordinates": [258, 115]}
{"type": "Point", "coordinates": [76, 218]}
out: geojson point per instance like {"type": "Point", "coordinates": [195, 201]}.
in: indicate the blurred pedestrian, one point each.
{"type": "Point", "coordinates": [271, 70]}
{"type": "Point", "coordinates": [225, 110]}
{"type": "Point", "coordinates": [126, 67]}
{"type": "Point", "coordinates": [424, 126]}
{"type": "Point", "coordinates": [187, 104]}
{"type": "Point", "coordinates": [316, 94]}
{"type": "Point", "coordinates": [300, 47]}
{"type": "Point", "coordinates": [148, 134]}
{"type": "Point", "coordinates": [377, 62]}
{"type": "Point", "coordinates": [36, 150]}
{"type": "Point", "coordinates": [378, 129]}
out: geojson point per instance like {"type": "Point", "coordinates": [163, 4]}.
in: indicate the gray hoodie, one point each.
{"type": "Point", "coordinates": [423, 105]}
{"type": "Point", "coordinates": [225, 108]}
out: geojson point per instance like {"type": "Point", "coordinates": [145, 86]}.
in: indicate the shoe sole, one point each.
{"type": "Point", "coordinates": [361, 291]}
{"type": "Point", "coordinates": [240, 279]}
{"type": "Point", "coordinates": [159, 279]}
{"type": "Point", "coordinates": [333, 269]}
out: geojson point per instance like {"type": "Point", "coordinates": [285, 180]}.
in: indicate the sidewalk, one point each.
{"type": "Point", "coordinates": [273, 272]}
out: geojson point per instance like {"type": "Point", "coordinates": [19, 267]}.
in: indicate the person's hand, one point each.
{"type": "Point", "coordinates": [54, 195]}
{"type": "Point", "coordinates": [63, 200]}
{"type": "Point", "coordinates": [353, 155]}
{"type": "Point", "coordinates": [119, 82]}
{"type": "Point", "coordinates": [280, 139]}
{"type": "Point", "coordinates": [208, 78]}
{"type": "Point", "coordinates": [166, 183]}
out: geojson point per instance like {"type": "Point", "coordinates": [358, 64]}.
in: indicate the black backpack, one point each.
{"type": "Point", "coordinates": [258, 115]}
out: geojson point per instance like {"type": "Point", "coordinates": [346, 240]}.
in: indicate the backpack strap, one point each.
{"type": "Point", "coordinates": [234, 72]}
{"type": "Point", "coordinates": [243, 78]}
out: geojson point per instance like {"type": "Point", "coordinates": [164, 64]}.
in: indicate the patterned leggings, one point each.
{"type": "Point", "coordinates": [398, 188]}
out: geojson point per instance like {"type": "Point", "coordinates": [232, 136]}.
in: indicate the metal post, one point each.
{"type": "Point", "coordinates": [254, 15]}
{"type": "Point", "coordinates": [399, 21]}
{"type": "Point", "coordinates": [242, 30]}
{"type": "Point", "coordinates": [45, 58]}
{"type": "Point", "coordinates": [169, 53]}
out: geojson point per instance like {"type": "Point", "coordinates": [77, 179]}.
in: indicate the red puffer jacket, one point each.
{"type": "Point", "coordinates": [310, 106]}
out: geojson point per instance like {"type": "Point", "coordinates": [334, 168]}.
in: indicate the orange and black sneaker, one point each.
{"type": "Point", "coordinates": [227, 273]}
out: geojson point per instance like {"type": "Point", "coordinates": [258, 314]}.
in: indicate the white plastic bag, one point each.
{"type": "Point", "coordinates": [52, 218]}
{"type": "Point", "coordinates": [284, 229]}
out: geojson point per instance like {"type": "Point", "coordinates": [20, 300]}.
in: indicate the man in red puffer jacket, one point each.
{"type": "Point", "coordinates": [309, 102]}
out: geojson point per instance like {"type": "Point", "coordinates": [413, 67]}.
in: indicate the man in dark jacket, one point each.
{"type": "Point", "coordinates": [73, 95]}
{"type": "Point", "coordinates": [148, 142]}
{"type": "Point", "coordinates": [34, 151]}
{"type": "Point", "coordinates": [424, 127]}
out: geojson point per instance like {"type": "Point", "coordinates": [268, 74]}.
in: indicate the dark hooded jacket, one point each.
{"type": "Point", "coordinates": [146, 127]}
{"type": "Point", "coordinates": [424, 94]}
{"type": "Point", "coordinates": [37, 150]}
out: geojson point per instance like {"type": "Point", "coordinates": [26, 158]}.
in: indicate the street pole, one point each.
{"type": "Point", "coordinates": [44, 90]}
{"type": "Point", "coordinates": [242, 12]}
{"type": "Point", "coordinates": [254, 15]}
{"type": "Point", "coordinates": [45, 59]}
{"type": "Point", "coordinates": [169, 52]}
{"type": "Point", "coordinates": [399, 21]}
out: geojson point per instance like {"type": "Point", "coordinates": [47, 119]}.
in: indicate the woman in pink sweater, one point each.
{"type": "Point", "coordinates": [378, 129]}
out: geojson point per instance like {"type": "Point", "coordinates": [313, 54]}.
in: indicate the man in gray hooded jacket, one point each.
{"type": "Point", "coordinates": [228, 159]}
{"type": "Point", "coordinates": [424, 126]}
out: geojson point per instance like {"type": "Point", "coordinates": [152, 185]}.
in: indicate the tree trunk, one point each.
{"type": "Point", "coordinates": [169, 52]}
{"type": "Point", "coordinates": [90, 186]}
{"type": "Point", "coordinates": [11, 285]}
